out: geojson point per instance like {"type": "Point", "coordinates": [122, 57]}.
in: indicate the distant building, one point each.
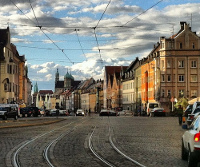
{"type": "Point", "coordinates": [129, 86]}
{"type": "Point", "coordinates": [15, 86]}
{"type": "Point", "coordinates": [63, 90]}
{"type": "Point", "coordinates": [67, 83]}
{"type": "Point", "coordinates": [112, 88]}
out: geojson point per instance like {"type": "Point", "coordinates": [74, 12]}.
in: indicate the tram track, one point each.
{"type": "Point", "coordinates": [59, 132]}
{"type": "Point", "coordinates": [114, 150]}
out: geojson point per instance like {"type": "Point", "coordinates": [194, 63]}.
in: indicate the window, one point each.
{"type": "Point", "coordinates": [163, 78]}
{"type": "Point", "coordinates": [193, 78]}
{"type": "Point", "coordinates": [181, 45]}
{"type": "Point", "coordinates": [193, 93]}
{"type": "Point", "coordinates": [168, 78]}
{"type": "Point", "coordinates": [193, 64]}
{"type": "Point", "coordinates": [168, 93]}
{"type": "Point", "coordinates": [163, 93]}
{"type": "Point", "coordinates": [163, 64]}
{"type": "Point", "coordinates": [5, 87]}
{"type": "Point", "coordinates": [181, 64]}
{"type": "Point", "coordinates": [168, 63]}
{"type": "Point", "coordinates": [181, 78]}
{"type": "Point", "coordinates": [181, 93]}
{"type": "Point", "coordinates": [162, 44]}
{"type": "Point", "coordinates": [193, 46]}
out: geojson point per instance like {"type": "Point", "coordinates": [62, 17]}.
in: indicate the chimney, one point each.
{"type": "Point", "coordinates": [182, 23]}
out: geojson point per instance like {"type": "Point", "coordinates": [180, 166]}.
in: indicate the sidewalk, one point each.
{"type": "Point", "coordinates": [25, 122]}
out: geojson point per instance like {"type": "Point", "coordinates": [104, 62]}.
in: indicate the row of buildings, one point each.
{"type": "Point", "coordinates": [169, 72]}
{"type": "Point", "coordinates": [15, 86]}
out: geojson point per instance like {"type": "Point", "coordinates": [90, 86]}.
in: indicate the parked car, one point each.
{"type": "Point", "coordinates": [80, 112]}
{"type": "Point", "coordinates": [105, 112]}
{"type": "Point", "coordinates": [9, 111]}
{"type": "Point", "coordinates": [62, 112]}
{"type": "Point", "coordinates": [35, 111]}
{"type": "Point", "coordinates": [193, 115]}
{"type": "Point", "coordinates": [151, 106]}
{"type": "Point", "coordinates": [42, 112]}
{"type": "Point", "coordinates": [52, 112]}
{"type": "Point", "coordinates": [157, 112]}
{"type": "Point", "coordinates": [125, 113]}
{"type": "Point", "coordinates": [25, 112]}
{"type": "Point", "coordinates": [195, 105]}
{"type": "Point", "coordinates": [188, 110]}
{"type": "Point", "coordinates": [191, 144]}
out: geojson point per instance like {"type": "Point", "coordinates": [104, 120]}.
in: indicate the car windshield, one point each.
{"type": "Point", "coordinates": [3, 109]}
{"type": "Point", "coordinates": [153, 105]}
{"type": "Point", "coordinates": [196, 110]}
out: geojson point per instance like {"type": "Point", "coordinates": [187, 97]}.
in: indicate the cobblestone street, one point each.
{"type": "Point", "coordinates": [152, 142]}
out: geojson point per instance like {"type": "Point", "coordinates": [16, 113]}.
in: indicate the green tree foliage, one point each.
{"type": "Point", "coordinates": [183, 102]}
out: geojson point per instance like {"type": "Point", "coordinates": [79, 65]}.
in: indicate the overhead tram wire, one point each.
{"type": "Point", "coordinates": [48, 36]}
{"type": "Point", "coordinates": [40, 27]}
{"type": "Point", "coordinates": [97, 26]}
{"type": "Point", "coordinates": [22, 12]}
{"type": "Point", "coordinates": [142, 13]}
{"type": "Point", "coordinates": [80, 43]}
{"type": "Point", "coordinates": [34, 47]}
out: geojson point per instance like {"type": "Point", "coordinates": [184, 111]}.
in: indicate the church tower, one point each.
{"type": "Point", "coordinates": [68, 79]}
{"type": "Point", "coordinates": [36, 88]}
{"type": "Point", "coordinates": [57, 77]}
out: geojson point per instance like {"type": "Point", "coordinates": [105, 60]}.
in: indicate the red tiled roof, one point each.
{"type": "Point", "coordinates": [112, 69]}
{"type": "Point", "coordinates": [46, 92]}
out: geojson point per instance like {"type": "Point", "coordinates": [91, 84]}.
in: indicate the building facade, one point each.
{"type": "Point", "coordinates": [14, 82]}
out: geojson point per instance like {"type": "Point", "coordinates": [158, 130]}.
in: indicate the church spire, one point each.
{"type": "Point", "coordinates": [57, 76]}
{"type": "Point", "coordinates": [36, 88]}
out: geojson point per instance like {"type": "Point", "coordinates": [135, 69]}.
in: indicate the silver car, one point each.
{"type": "Point", "coordinates": [191, 144]}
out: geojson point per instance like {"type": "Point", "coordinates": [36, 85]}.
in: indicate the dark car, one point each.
{"type": "Point", "coordinates": [35, 111]}
{"type": "Point", "coordinates": [107, 113]}
{"type": "Point", "coordinates": [8, 112]}
{"type": "Point", "coordinates": [188, 110]}
{"type": "Point", "coordinates": [157, 112]}
{"type": "Point", "coordinates": [25, 112]}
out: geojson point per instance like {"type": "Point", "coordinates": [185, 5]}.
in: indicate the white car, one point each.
{"type": "Point", "coordinates": [193, 115]}
{"type": "Point", "coordinates": [191, 144]}
{"type": "Point", "coordinates": [80, 112]}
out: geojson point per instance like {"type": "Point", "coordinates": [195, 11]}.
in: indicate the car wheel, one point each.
{"type": "Point", "coordinates": [5, 117]}
{"type": "Point", "coordinates": [191, 159]}
{"type": "Point", "coordinates": [16, 117]}
{"type": "Point", "coordinates": [184, 155]}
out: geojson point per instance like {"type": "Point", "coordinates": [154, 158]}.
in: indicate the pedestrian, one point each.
{"type": "Point", "coordinates": [57, 113]}
{"type": "Point", "coordinates": [180, 114]}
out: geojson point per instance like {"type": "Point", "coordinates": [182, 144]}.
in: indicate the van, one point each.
{"type": "Point", "coordinates": [151, 106]}
{"type": "Point", "coordinates": [9, 111]}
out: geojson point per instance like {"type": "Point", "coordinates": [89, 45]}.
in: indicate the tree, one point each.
{"type": "Point", "coordinates": [183, 102]}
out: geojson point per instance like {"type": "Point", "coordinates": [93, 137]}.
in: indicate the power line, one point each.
{"type": "Point", "coordinates": [103, 13]}
{"type": "Point", "coordinates": [22, 12]}
{"type": "Point", "coordinates": [142, 13]}
{"type": "Point", "coordinates": [80, 43]}
{"type": "Point", "coordinates": [34, 12]}
{"type": "Point", "coordinates": [97, 26]}
{"type": "Point", "coordinates": [40, 27]}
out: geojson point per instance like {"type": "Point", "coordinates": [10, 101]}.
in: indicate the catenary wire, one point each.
{"type": "Point", "coordinates": [142, 13]}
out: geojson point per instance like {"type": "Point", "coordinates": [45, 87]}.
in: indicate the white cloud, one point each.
{"type": "Point", "coordinates": [60, 18]}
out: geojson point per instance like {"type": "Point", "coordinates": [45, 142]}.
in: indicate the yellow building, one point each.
{"type": "Point", "coordinates": [13, 85]}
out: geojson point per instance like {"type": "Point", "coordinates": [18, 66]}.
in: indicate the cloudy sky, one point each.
{"type": "Point", "coordinates": [84, 36]}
